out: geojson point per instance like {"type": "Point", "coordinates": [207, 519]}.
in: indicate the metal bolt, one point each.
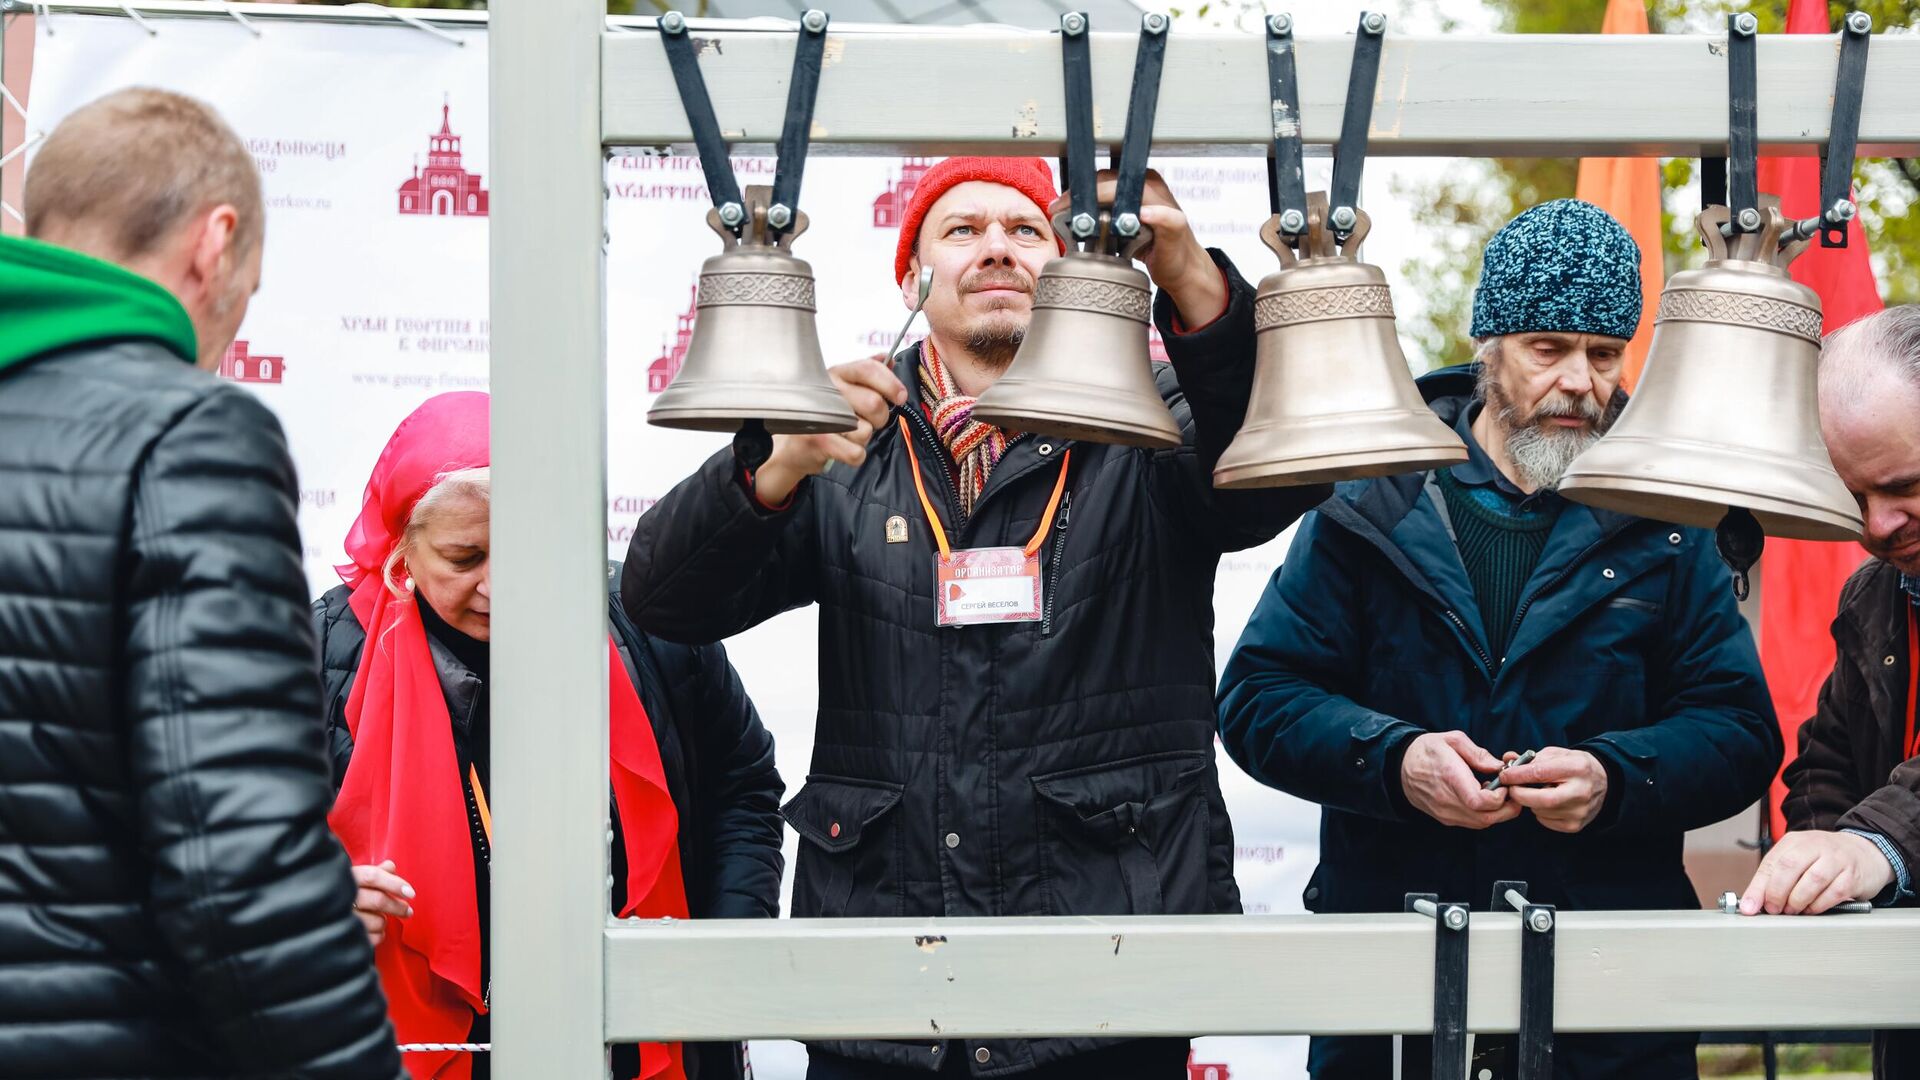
{"type": "Point", "coordinates": [1730, 903]}
{"type": "Point", "coordinates": [1156, 23]}
{"type": "Point", "coordinates": [1127, 224]}
{"type": "Point", "coordinates": [814, 20]}
{"type": "Point", "coordinates": [1293, 221]}
{"type": "Point", "coordinates": [1745, 24]}
{"type": "Point", "coordinates": [1842, 210]}
{"type": "Point", "coordinates": [1375, 22]}
{"type": "Point", "coordinates": [1541, 922]}
{"type": "Point", "coordinates": [1860, 22]}
{"type": "Point", "coordinates": [1456, 918]}
{"type": "Point", "coordinates": [1083, 225]}
{"type": "Point", "coordinates": [673, 23]}
{"type": "Point", "coordinates": [1280, 25]}
{"type": "Point", "coordinates": [732, 214]}
{"type": "Point", "coordinates": [1073, 23]}
{"type": "Point", "coordinates": [1750, 220]}
{"type": "Point", "coordinates": [779, 215]}
{"type": "Point", "coordinates": [1344, 218]}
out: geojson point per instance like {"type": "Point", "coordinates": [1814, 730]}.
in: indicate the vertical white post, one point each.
{"type": "Point", "coordinates": [549, 549]}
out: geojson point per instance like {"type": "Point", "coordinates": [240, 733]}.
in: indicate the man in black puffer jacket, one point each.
{"type": "Point", "coordinates": [1059, 766]}
{"type": "Point", "coordinates": [171, 901]}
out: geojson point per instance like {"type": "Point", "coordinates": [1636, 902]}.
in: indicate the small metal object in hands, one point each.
{"type": "Point", "coordinates": [1730, 905]}
{"type": "Point", "coordinates": [926, 287]}
{"type": "Point", "coordinates": [1494, 784]}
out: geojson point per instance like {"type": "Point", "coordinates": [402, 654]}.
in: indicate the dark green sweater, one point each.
{"type": "Point", "coordinates": [1500, 538]}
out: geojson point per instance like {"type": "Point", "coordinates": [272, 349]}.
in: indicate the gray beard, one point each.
{"type": "Point", "coordinates": [1542, 455]}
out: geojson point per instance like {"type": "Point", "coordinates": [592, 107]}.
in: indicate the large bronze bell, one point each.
{"type": "Point", "coordinates": [1083, 371]}
{"type": "Point", "coordinates": [1333, 398]}
{"type": "Point", "coordinates": [755, 353]}
{"type": "Point", "coordinates": [1726, 416]}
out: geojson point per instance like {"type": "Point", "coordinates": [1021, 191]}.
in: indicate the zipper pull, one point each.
{"type": "Point", "coordinates": [1066, 504]}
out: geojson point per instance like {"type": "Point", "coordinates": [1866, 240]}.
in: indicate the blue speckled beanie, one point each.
{"type": "Point", "coordinates": [1563, 266]}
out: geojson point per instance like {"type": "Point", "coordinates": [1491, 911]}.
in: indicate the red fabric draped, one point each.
{"type": "Point", "coordinates": [402, 797]}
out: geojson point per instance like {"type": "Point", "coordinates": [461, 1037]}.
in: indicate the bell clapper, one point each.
{"type": "Point", "coordinates": [926, 289]}
{"type": "Point", "coordinates": [1739, 540]}
{"type": "Point", "coordinates": [752, 445]}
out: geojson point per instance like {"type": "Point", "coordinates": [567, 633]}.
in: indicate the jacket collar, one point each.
{"type": "Point", "coordinates": [464, 690]}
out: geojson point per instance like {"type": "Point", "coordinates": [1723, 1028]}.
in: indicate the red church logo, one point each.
{"type": "Point", "coordinates": [1205, 1071]}
{"type": "Point", "coordinates": [445, 188]}
{"type": "Point", "coordinates": [240, 365]}
{"type": "Point", "coordinates": [672, 355]}
{"type": "Point", "coordinates": [890, 209]}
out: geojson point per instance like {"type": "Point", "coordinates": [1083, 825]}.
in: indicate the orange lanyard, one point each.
{"type": "Point", "coordinates": [933, 519]}
{"type": "Point", "coordinates": [1913, 680]}
{"type": "Point", "coordinates": [480, 803]}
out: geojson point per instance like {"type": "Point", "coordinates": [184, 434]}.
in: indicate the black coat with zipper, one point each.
{"type": "Point", "coordinates": [1627, 644]}
{"type": "Point", "coordinates": [717, 755]}
{"type": "Point", "coordinates": [1063, 767]}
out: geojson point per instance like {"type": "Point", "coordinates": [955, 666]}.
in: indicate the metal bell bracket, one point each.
{"type": "Point", "coordinates": [1843, 135]}
{"type": "Point", "coordinates": [1116, 230]}
{"type": "Point", "coordinates": [1286, 178]}
{"type": "Point", "coordinates": [1536, 979]}
{"type": "Point", "coordinates": [782, 216]}
{"type": "Point", "coordinates": [1350, 157]}
{"type": "Point", "coordinates": [1449, 984]}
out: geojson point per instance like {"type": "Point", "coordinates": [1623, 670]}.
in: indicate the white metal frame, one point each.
{"type": "Point", "coordinates": [568, 980]}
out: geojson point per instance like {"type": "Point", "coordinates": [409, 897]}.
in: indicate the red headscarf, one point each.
{"type": "Point", "coordinates": [402, 797]}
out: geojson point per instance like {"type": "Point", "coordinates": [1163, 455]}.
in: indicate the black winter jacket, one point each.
{"type": "Point", "coordinates": [1063, 767]}
{"type": "Point", "coordinates": [718, 759]}
{"type": "Point", "coordinates": [171, 900]}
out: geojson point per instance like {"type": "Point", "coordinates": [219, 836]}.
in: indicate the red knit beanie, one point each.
{"type": "Point", "coordinates": [1031, 177]}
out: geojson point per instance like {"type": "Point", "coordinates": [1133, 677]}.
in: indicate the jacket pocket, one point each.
{"type": "Point", "coordinates": [846, 844]}
{"type": "Point", "coordinates": [1126, 838]}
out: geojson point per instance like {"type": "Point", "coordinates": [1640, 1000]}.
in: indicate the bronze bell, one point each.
{"type": "Point", "coordinates": [755, 354]}
{"type": "Point", "coordinates": [1725, 416]}
{"type": "Point", "coordinates": [1333, 398]}
{"type": "Point", "coordinates": [1083, 371]}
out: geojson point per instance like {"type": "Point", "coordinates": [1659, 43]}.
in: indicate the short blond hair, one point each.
{"type": "Point", "coordinates": [130, 167]}
{"type": "Point", "coordinates": [474, 483]}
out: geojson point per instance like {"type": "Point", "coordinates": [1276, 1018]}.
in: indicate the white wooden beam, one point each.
{"type": "Point", "coordinates": [913, 90]}
{"type": "Point", "coordinates": [1270, 975]}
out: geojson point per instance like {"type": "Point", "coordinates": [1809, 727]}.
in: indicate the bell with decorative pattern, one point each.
{"type": "Point", "coordinates": [1333, 398]}
{"type": "Point", "coordinates": [1725, 417]}
{"type": "Point", "coordinates": [755, 353]}
{"type": "Point", "coordinates": [1083, 370]}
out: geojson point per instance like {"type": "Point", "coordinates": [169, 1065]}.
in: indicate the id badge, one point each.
{"type": "Point", "coordinates": [987, 585]}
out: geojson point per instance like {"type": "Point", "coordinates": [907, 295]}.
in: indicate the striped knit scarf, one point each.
{"type": "Point", "coordinates": [976, 447]}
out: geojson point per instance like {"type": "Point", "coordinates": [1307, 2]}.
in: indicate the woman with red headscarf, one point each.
{"type": "Point", "coordinates": [404, 648]}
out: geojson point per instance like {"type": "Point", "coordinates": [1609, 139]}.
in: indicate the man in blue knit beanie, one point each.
{"type": "Point", "coordinates": [1427, 629]}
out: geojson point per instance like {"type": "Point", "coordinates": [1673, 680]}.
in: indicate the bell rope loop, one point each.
{"type": "Point", "coordinates": [753, 364]}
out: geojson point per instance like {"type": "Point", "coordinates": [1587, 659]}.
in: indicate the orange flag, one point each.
{"type": "Point", "coordinates": [1800, 580]}
{"type": "Point", "coordinates": [1629, 189]}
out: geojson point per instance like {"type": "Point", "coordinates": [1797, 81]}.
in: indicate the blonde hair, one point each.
{"type": "Point", "coordinates": [135, 164]}
{"type": "Point", "coordinates": [448, 486]}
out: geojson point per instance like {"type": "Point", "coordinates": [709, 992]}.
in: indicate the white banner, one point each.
{"type": "Point", "coordinates": [372, 141]}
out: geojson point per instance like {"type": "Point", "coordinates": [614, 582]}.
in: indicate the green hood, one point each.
{"type": "Point", "coordinates": [52, 299]}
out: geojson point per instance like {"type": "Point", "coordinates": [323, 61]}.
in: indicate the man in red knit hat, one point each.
{"type": "Point", "coordinates": [1050, 753]}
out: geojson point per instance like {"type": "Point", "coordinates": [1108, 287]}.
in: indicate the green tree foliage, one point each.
{"type": "Point", "coordinates": [1466, 204]}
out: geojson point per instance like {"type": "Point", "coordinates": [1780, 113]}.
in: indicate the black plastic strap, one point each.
{"type": "Point", "coordinates": [1713, 181]}
{"type": "Point", "coordinates": [1836, 165]}
{"type": "Point", "coordinates": [1536, 992]}
{"type": "Point", "coordinates": [714, 161]}
{"type": "Point", "coordinates": [801, 93]}
{"type": "Point", "coordinates": [1132, 181]}
{"type": "Point", "coordinates": [1081, 164]}
{"type": "Point", "coordinates": [1350, 157]}
{"type": "Point", "coordinates": [1743, 92]}
{"type": "Point", "coordinates": [1286, 180]}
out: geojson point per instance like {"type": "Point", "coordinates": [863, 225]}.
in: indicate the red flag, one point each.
{"type": "Point", "coordinates": [1800, 580]}
{"type": "Point", "coordinates": [1629, 189]}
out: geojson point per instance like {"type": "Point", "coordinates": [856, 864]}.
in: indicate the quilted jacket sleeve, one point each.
{"type": "Point", "coordinates": [740, 785]}
{"type": "Point", "coordinates": [249, 889]}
